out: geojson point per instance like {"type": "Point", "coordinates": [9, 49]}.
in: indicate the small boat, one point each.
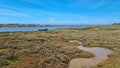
{"type": "Point", "coordinates": [43, 30]}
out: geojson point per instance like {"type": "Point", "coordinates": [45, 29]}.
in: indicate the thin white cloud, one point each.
{"type": "Point", "coordinates": [86, 20]}
{"type": "Point", "coordinates": [39, 3]}
{"type": "Point", "coordinates": [30, 11]}
{"type": "Point", "coordinates": [12, 13]}
{"type": "Point", "coordinates": [92, 4]}
{"type": "Point", "coordinates": [52, 19]}
{"type": "Point", "coordinates": [100, 3]}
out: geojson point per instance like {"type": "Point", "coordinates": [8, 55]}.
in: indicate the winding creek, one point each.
{"type": "Point", "coordinates": [100, 56]}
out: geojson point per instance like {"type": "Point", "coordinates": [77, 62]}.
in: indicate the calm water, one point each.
{"type": "Point", "coordinates": [100, 56]}
{"type": "Point", "coordinates": [36, 28]}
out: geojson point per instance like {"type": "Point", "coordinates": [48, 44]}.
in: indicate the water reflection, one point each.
{"type": "Point", "coordinates": [100, 56]}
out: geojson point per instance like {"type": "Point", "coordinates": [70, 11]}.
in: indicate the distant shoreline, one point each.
{"type": "Point", "coordinates": [14, 25]}
{"type": "Point", "coordinates": [30, 25]}
{"type": "Point", "coordinates": [25, 25]}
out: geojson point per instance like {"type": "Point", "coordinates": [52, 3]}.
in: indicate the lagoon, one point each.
{"type": "Point", "coordinates": [14, 29]}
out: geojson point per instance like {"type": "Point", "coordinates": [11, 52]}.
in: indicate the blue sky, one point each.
{"type": "Point", "coordinates": [60, 11]}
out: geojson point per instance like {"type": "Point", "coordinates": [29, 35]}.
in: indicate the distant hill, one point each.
{"type": "Point", "coordinates": [116, 23]}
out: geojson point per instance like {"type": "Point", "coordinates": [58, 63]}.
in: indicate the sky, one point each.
{"type": "Point", "coordinates": [60, 11]}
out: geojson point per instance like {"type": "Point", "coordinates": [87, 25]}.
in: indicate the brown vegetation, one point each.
{"type": "Point", "coordinates": [37, 50]}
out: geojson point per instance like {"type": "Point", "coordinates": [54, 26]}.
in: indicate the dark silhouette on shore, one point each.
{"type": "Point", "coordinates": [43, 30]}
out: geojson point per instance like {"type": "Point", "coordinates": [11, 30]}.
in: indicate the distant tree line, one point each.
{"type": "Point", "coordinates": [25, 25]}
{"type": "Point", "coordinates": [116, 23]}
